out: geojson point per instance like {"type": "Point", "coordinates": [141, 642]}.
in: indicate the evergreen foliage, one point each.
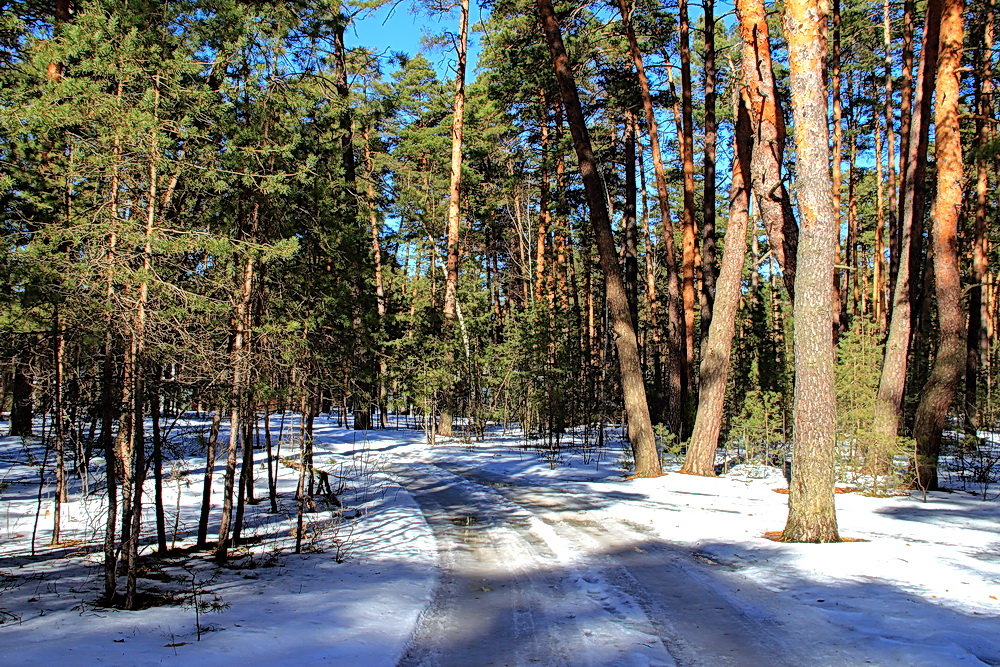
{"type": "Point", "coordinates": [220, 207]}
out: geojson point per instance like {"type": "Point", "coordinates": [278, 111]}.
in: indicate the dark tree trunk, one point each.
{"type": "Point", "coordinates": [708, 260]}
{"type": "Point", "coordinates": [346, 122]}
{"type": "Point", "coordinates": [676, 390]}
{"type": "Point", "coordinates": [647, 463]}
{"type": "Point", "coordinates": [630, 251]}
{"type": "Point", "coordinates": [244, 491]}
{"type": "Point", "coordinates": [138, 473]}
{"type": "Point", "coordinates": [23, 403]}
{"type": "Point", "coordinates": [839, 288]}
{"type": "Point", "coordinates": [654, 349]}
{"type": "Point", "coordinates": [154, 411]}
{"type": "Point", "coordinates": [272, 482]}
{"type": "Point", "coordinates": [892, 383]}
{"type": "Point", "coordinates": [206, 491]}
{"type": "Point", "coordinates": [897, 251]}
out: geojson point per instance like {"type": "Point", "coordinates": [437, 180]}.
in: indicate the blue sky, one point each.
{"type": "Point", "coordinates": [396, 27]}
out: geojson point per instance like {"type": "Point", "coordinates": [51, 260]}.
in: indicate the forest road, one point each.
{"type": "Point", "coordinates": [534, 575]}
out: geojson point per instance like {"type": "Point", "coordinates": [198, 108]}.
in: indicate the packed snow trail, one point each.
{"type": "Point", "coordinates": [535, 559]}
{"type": "Point", "coordinates": [506, 597]}
{"type": "Point", "coordinates": [530, 577]}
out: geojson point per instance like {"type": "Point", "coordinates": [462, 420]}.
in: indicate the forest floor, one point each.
{"type": "Point", "coordinates": [503, 551]}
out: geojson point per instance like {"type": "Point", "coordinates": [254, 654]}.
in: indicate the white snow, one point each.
{"type": "Point", "coordinates": [923, 579]}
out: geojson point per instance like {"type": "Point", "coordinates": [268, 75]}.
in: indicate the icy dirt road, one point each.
{"type": "Point", "coordinates": [533, 575]}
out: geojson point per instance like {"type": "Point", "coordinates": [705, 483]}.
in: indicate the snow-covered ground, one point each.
{"type": "Point", "coordinates": [923, 579]}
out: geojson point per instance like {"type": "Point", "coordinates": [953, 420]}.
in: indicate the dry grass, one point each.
{"type": "Point", "coordinates": [778, 536]}
{"type": "Point", "coordinates": [839, 489]}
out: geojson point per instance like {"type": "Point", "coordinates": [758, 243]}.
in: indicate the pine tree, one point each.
{"type": "Point", "coordinates": [811, 513]}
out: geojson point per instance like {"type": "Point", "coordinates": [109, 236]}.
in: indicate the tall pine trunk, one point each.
{"type": "Point", "coordinates": [138, 363]}
{"type": "Point", "coordinates": [892, 383]}
{"type": "Point", "coordinates": [380, 296]}
{"type": "Point", "coordinates": [654, 349]}
{"type": "Point", "coordinates": [768, 124]}
{"type": "Point", "coordinates": [58, 423]}
{"type": "Point", "coordinates": [544, 212]}
{"type": "Point", "coordinates": [630, 250]}
{"type": "Point", "coordinates": [112, 464]}
{"type": "Point", "coordinates": [717, 349]}
{"type": "Point", "coordinates": [977, 341]}
{"type": "Point", "coordinates": [640, 432]}
{"type": "Point", "coordinates": [238, 356]}
{"type": "Point", "coordinates": [689, 248]}
{"type": "Point", "coordinates": [949, 362]}
{"type": "Point", "coordinates": [878, 250]}
{"type": "Point", "coordinates": [811, 512]}
{"type": "Point", "coordinates": [450, 310]}
{"type": "Point", "coordinates": [676, 390]}
{"type": "Point", "coordinates": [837, 109]}
{"type": "Point", "coordinates": [890, 145]}
{"type": "Point", "coordinates": [905, 123]}
{"type": "Point", "coordinates": [708, 268]}
{"type": "Point", "coordinates": [206, 489]}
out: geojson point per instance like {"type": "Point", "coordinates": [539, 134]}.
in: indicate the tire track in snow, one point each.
{"type": "Point", "coordinates": [512, 592]}
{"type": "Point", "coordinates": [703, 613]}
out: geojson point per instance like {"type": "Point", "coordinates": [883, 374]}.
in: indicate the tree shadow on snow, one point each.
{"type": "Point", "coordinates": [702, 608]}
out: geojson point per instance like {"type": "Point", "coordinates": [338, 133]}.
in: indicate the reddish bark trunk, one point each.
{"type": "Point", "coordinates": [949, 362]}
{"type": "Point", "coordinates": [768, 123]}
{"type": "Point", "coordinates": [977, 341]}
{"type": "Point", "coordinates": [893, 380]}
{"type": "Point", "coordinates": [716, 356]}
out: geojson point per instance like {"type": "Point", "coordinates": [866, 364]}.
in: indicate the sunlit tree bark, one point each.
{"type": "Point", "coordinates": [717, 349]}
{"type": "Point", "coordinates": [889, 403]}
{"type": "Point", "coordinates": [450, 310]}
{"type": "Point", "coordinates": [811, 513]}
{"type": "Point", "coordinates": [640, 430]}
{"type": "Point", "coordinates": [949, 361]}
